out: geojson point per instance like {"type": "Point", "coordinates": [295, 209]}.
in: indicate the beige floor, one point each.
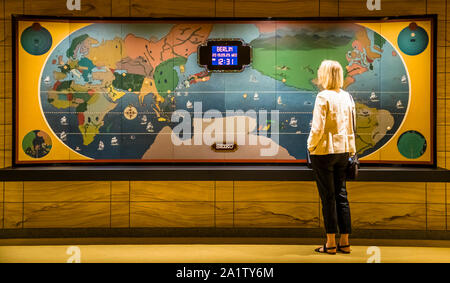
{"type": "Point", "coordinates": [405, 251]}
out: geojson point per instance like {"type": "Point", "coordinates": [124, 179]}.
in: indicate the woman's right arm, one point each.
{"type": "Point", "coordinates": [318, 122]}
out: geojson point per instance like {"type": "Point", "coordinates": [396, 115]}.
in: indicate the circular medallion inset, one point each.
{"type": "Point", "coordinates": [130, 112]}
{"type": "Point", "coordinates": [413, 40]}
{"type": "Point", "coordinates": [36, 39]}
{"type": "Point", "coordinates": [37, 144]}
{"type": "Point", "coordinates": [412, 144]}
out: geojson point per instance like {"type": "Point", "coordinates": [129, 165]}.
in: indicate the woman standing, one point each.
{"type": "Point", "coordinates": [330, 143]}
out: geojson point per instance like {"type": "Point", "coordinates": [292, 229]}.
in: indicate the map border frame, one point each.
{"type": "Point", "coordinates": [16, 18]}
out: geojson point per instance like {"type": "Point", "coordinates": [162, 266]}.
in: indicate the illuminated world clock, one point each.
{"type": "Point", "coordinates": [224, 55]}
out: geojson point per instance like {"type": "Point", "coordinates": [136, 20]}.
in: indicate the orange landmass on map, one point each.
{"type": "Point", "coordinates": [361, 56]}
{"type": "Point", "coordinates": [182, 40]}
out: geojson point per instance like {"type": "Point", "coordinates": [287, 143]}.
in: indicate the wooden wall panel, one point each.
{"type": "Point", "coordinates": [224, 8]}
{"type": "Point", "coordinates": [172, 191]}
{"type": "Point", "coordinates": [172, 214]}
{"type": "Point", "coordinates": [11, 7]}
{"type": "Point", "coordinates": [436, 217]}
{"type": "Point", "coordinates": [386, 192]}
{"type": "Point", "coordinates": [276, 214]}
{"type": "Point", "coordinates": [352, 8]}
{"type": "Point", "coordinates": [13, 192]}
{"type": "Point", "coordinates": [66, 215]}
{"type": "Point", "coordinates": [1, 215]}
{"type": "Point", "coordinates": [388, 216]}
{"type": "Point", "coordinates": [276, 191]}
{"type": "Point", "coordinates": [172, 8]}
{"type": "Point", "coordinates": [329, 8]}
{"type": "Point", "coordinates": [66, 191]}
{"type": "Point", "coordinates": [224, 191]}
{"type": "Point", "coordinates": [120, 8]}
{"type": "Point", "coordinates": [97, 8]}
{"type": "Point", "coordinates": [13, 215]}
{"type": "Point", "coordinates": [276, 8]}
{"type": "Point", "coordinates": [120, 214]}
{"type": "Point", "coordinates": [436, 193]}
{"type": "Point", "coordinates": [120, 191]}
{"type": "Point", "coordinates": [224, 214]}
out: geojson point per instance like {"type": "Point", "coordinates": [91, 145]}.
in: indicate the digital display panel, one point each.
{"type": "Point", "coordinates": [224, 55]}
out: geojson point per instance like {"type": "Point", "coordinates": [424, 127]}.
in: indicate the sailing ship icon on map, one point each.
{"type": "Point", "coordinates": [114, 141]}
{"type": "Point", "coordinates": [404, 80]}
{"type": "Point", "coordinates": [150, 127]}
{"type": "Point", "coordinates": [144, 120]}
{"type": "Point", "coordinates": [400, 105]}
{"type": "Point", "coordinates": [256, 96]}
{"type": "Point", "coordinates": [47, 80]}
{"type": "Point", "coordinates": [279, 101]}
{"type": "Point", "coordinates": [101, 146]}
{"type": "Point", "coordinates": [63, 136]}
{"type": "Point", "coordinates": [64, 121]}
{"type": "Point", "coordinates": [373, 97]}
{"type": "Point", "coordinates": [293, 122]}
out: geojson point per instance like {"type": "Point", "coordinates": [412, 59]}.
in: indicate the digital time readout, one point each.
{"type": "Point", "coordinates": [224, 55]}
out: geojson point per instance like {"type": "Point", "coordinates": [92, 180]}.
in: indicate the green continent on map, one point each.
{"type": "Point", "coordinates": [166, 78]}
{"type": "Point", "coordinates": [74, 44]}
{"type": "Point", "coordinates": [128, 82]}
{"type": "Point", "coordinates": [295, 59]}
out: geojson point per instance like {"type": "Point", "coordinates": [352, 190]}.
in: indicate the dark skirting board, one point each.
{"type": "Point", "coordinates": [212, 172]}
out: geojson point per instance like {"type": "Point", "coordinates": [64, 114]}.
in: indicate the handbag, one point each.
{"type": "Point", "coordinates": [353, 161]}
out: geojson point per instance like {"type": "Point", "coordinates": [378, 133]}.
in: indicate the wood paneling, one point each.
{"type": "Point", "coordinates": [441, 159]}
{"type": "Point", "coordinates": [224, 214]}
{"type": "Point", "coordinates": [328, 8]}
{"type": "Point", "coordinates": [13, 192]}
{"type": "Point", "coordinates": [276, 214]}
{"type": "Point", "coordinates": [437, 7]}
{"type": "Point", "coordinates": [352, 8]}
{"type": "Point", "coordinates": [120, 8]}
{"type": "Point", "coordinates": [66, 191]}
{"type": "Point", "coordinates": [276, 191]}
{"type": "Point", "coordinates": [96, 8]}
{"type": "Point", "coordinates": [436, 217]}
{"type": "Point", "coordinates": [172, 8]}
{"type": "Point", "coordinates": [276, 8]}
{"type": "Point", "coordinates": [224, 8]}
{"type": "Point", "coordinates": [2, 113]}
{"type": "Point", "coordinates": [2, 191]}
{"type": "Point", "coordinates": [436, 193]}
{"type": "Point", "coordinates": [1, 215]}
{"type": "Point", "coordinates": [171, 191]}
{"type": "Point", "coordinates": [224, 191]}
{"type": "Point", "coordinates": [13, 213]}
{"type": "Point", "coordinates": [66, 215]}
{"type": "Point", "coordinates": [5, 60]}
{"type": "Point", "coordinates": [388, 216]}
{"type": "Point", "coordinates": [120, 191]}
{"type": "Point", "coordinates": [386, 192]}
{"type": "Point", "coordinates": [120, 214]}
{"type": "Point", "coordinates": [172, 214]}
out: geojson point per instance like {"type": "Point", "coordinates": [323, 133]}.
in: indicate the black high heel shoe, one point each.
{"type": "Point", "coordinates": [339, 249]}
{"type": "Point", "coordinates": [325, 250]}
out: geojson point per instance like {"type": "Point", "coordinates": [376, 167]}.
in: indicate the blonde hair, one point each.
{"type": "Point", "coordinates": [330, 75]}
